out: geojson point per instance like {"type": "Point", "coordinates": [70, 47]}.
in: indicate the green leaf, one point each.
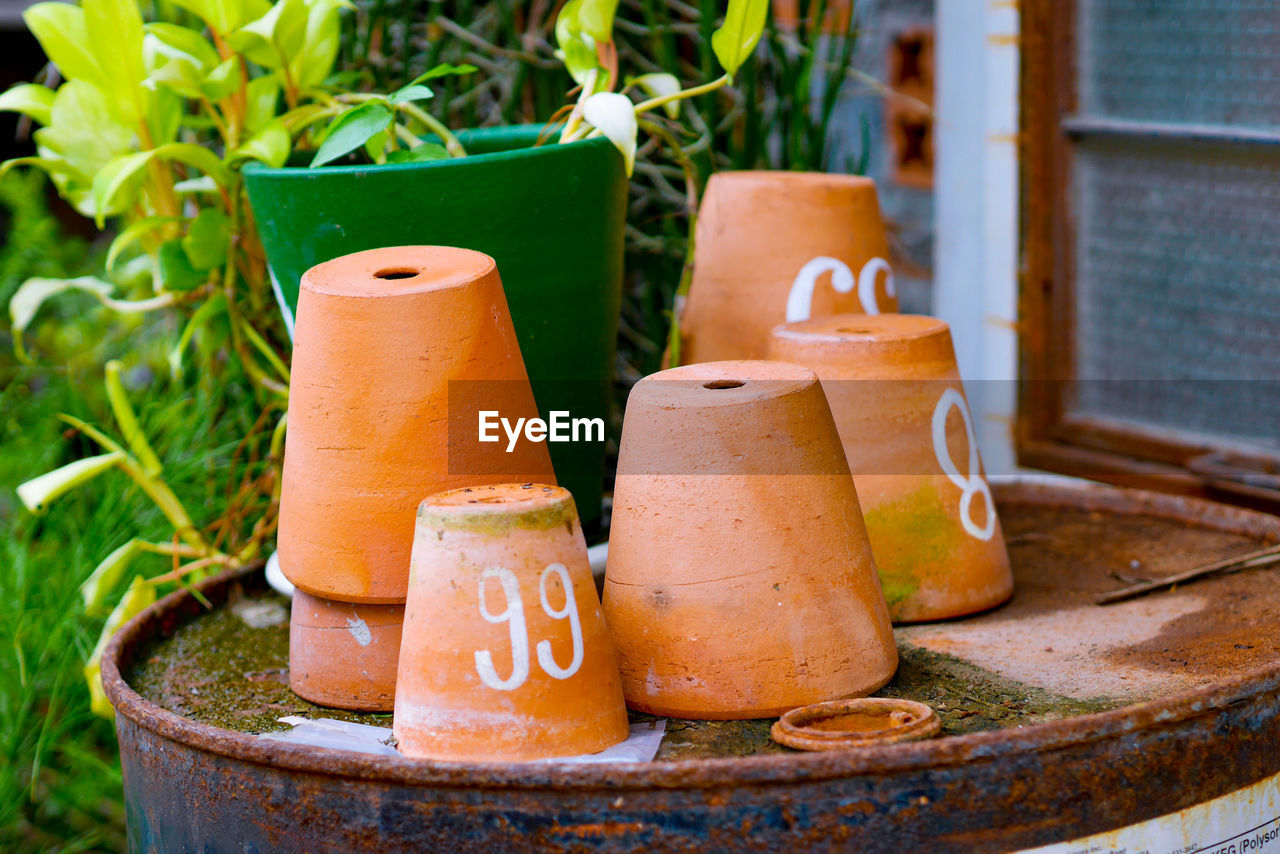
{"type": "Point", "coordinates": [222, 80]}
{"type": "Point", "coordinates": [419, 153]}
{"type": "Point", "coordinates": [351, 130]}
{"type": "Point", "coordinates": [116, 185]}
{"type": "Point", "coordinates": [614, 116]}
{"type": "Point", "coordinates": [270, 145]}
{"type": "Point", "coordinates": [179, 75]}
{"type": "Point", "coordinates": [198, 157]}
{"type": "Point", "coordinates": [444, 69]}
{"type": "Point", "coordinates": [184, 41]}
{"type": "Point", "coordinates": [262, 95]}
{"type": "Point", "coordinates": [104, 578]}
{"type": "Point", "coordinates": [32, 293]}
{"type": "Point", "coordinates": [60, 28]}
{"type": "Point", "coordinates": [207, 239]}
{"type": "Point", "coordinates": [115, 35]}
{"type": "Point", "coordinates": [314, 62]}
{"type": "Point", "coordinates": [417, 92]}
{"type": "Point", "coordinates": [30, 99]}
{"type": "Point", "coordinates": [577, 47]}
{"type": "Point", "coordinates": [176, 272]}
{"type": "Point", "coordinates": [128, 419]}
{"type": "Point", "coordinates": [739, 34]}
{"type": "Point", "coordinates": [84, 129]}
{"type": "Point", "coordinates": [375, 145]}
{"type": "Point", "coordinates": [135, 232]}
{"type": "Point", "coordinates": [136, 599]}
{"type": "Point", "coordinates": [36, 494]}
{"type": "Point", "coordinates": [213, 306]}
{"type": "Point", "coordinates": [225, 16]}
{"type": "Point", "coordinates": [203, 184]}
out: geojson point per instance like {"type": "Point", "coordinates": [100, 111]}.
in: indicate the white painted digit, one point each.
{"type": "Point", "coordinates": [800, 299]}
{"type": "Point", "coordinates": [514, 617]}
{"type": "Point", "coordinates": [570, 610]}
{"type": "Point", "coordinates": [972, 484]}
{"type": "Point", "coordinates": [867, 284]}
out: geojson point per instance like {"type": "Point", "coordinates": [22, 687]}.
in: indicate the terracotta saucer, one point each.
{"type": "Point", "coordinates": [842, 724]}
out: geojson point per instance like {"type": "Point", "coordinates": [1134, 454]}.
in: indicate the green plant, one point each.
{"type": "Point", "coordinates": [147, 136]}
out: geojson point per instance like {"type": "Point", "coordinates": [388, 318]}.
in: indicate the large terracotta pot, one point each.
{"type": "Point", "coordinates": [898, 402]}
{"type": "Point", "coordinates": [342, 654]}
{"type": "Point", "coordinates": [396, 350]}
{"type": "Point", "coordinates": [552, 216]}
{"type": "Point", "coordinates": [740, 582]}
{"type": "Point", "coordinates": [505, 653]}
{"type": "Point", "coordinates": [781, 246]}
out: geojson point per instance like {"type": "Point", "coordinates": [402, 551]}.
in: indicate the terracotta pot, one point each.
{"type": "Point", "coordinates": [898, 402]}
{"type": "Point", "coordinates": [781, 246]}
{"type": "Point", "coordinates": [740, 582]}
{"type": "Point", "coordinates": [399, 349]}
{"type": "Point", "coordinates": [505, 655]}
{"type": "Point", "coordinates": [343, 654]}
{"type": "Point", "coordinates": [552, 216]}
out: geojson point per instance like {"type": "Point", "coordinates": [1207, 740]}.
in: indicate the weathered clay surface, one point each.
{"type": "Point", "coordinates": [343, 654]}
{"type": "Point", "coordinates": [394, 348]}
{"type": "Point", "coordinates": [506, 655]}
{"type": "Point", "coordinates": [740, 582]}
{"type": "Point", "coordinates": [898, 402]}
{"type": "Point", "coordinates": [756, 233]}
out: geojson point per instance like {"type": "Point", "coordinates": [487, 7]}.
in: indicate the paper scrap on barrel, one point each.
{"type": "Point", "coordinates": [641, 746]}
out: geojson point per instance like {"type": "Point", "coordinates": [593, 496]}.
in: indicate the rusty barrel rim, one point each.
{"type": "Point", "coordinates": [946, 751]}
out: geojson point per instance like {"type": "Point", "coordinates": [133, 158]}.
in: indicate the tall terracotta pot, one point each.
{"type": "Point", "coordinates": [342, 654]}
{"type": "Point", "coordinates": [740, 581]}
{"type": "Point", "coordinates": [781, 246]}
{"type": "Point", "coordinates": [396, 350]}
{"type": "Point", "coordinates": [552, 216]}
{"type": "Point", "coordinates": [898, 402]}
{"type": "Point", "coordinates": [505, 653]}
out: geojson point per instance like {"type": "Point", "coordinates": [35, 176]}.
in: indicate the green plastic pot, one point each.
{"type": "Point", "coordinates": [552, 216]}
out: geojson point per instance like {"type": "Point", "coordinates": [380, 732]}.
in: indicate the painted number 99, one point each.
{"type": "Point", "coordinates": [513, 616]}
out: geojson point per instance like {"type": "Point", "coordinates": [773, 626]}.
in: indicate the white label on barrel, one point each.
{"type": "Point", "coordinates": [1243, 822]}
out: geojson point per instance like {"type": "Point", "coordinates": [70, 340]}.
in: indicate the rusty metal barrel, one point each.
{"type": "Point", "coordinates": [1062, 719]}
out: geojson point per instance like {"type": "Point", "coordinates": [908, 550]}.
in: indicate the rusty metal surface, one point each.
{"type": "Point", "coordinates": [195, 787]}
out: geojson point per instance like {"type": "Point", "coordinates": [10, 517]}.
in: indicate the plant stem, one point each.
{"type": "Point", "coordinates": [437, 127]}
{"type": "Point", "coordinates": [692, 92]}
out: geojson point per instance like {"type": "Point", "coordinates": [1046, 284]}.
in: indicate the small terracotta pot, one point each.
{"type": "Point", "coordinates": [505, 655]}
{"type": "Point", "coordinates": [898, 402]}
{"type": "Point", "coordinates": [343, 654]}
{"type": "Point", "coordinates": [396, 351]}
{"type": "Point", "coordinates": [781, 246]}
{"type": "Point", "coordinates": [740, 582]}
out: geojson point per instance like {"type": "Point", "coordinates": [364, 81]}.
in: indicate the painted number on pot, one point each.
{"type": "Point", "coordinates": [513, 616]}
{"type": "Point", "coordinates": [973, 483]}
{"type": "Point", "coordinates": [800, 300]}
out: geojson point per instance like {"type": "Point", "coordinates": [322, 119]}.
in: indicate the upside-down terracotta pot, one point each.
{"type": "Point", "coordinates": [781, 246]}
{"type": "Point", "coordinates": [505, 654]}
{"type": "Point", "coordinates": [344, 654]}
{"type": "Point", "coordinates": [740, 582]}
{"type": "Point", "coordinates": [396, 351]}
{"type": "Point", "coordinates": [898, 402]}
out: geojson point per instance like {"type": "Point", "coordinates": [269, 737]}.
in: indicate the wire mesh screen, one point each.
{"type": "Point", "coordinates": [1177, 238]}
{"type": "Point", "coordinates": [1204, 61]}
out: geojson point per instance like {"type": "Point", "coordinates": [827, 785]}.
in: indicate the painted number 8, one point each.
{"type": "Point", "coordinates": [800, 300]}
{"type": "Point", "coordinates": [973, 483]}
{"type": "Point", "coordinates": [513, 616]}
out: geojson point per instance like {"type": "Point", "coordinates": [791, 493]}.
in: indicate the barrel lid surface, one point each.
{"type": "Point", "coordinates": [1158, 659]}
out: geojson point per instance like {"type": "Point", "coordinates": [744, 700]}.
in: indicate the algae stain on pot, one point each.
{"type": "Point", "coordinates": [908, 536]}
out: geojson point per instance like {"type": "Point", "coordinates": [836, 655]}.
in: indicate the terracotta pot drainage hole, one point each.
{"type": "Point", "coordinates": [719, 384]}
{"type": "Point", "coordinates": [842, 724]}
{"type": "Point", "coordinates": [396, 273]}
